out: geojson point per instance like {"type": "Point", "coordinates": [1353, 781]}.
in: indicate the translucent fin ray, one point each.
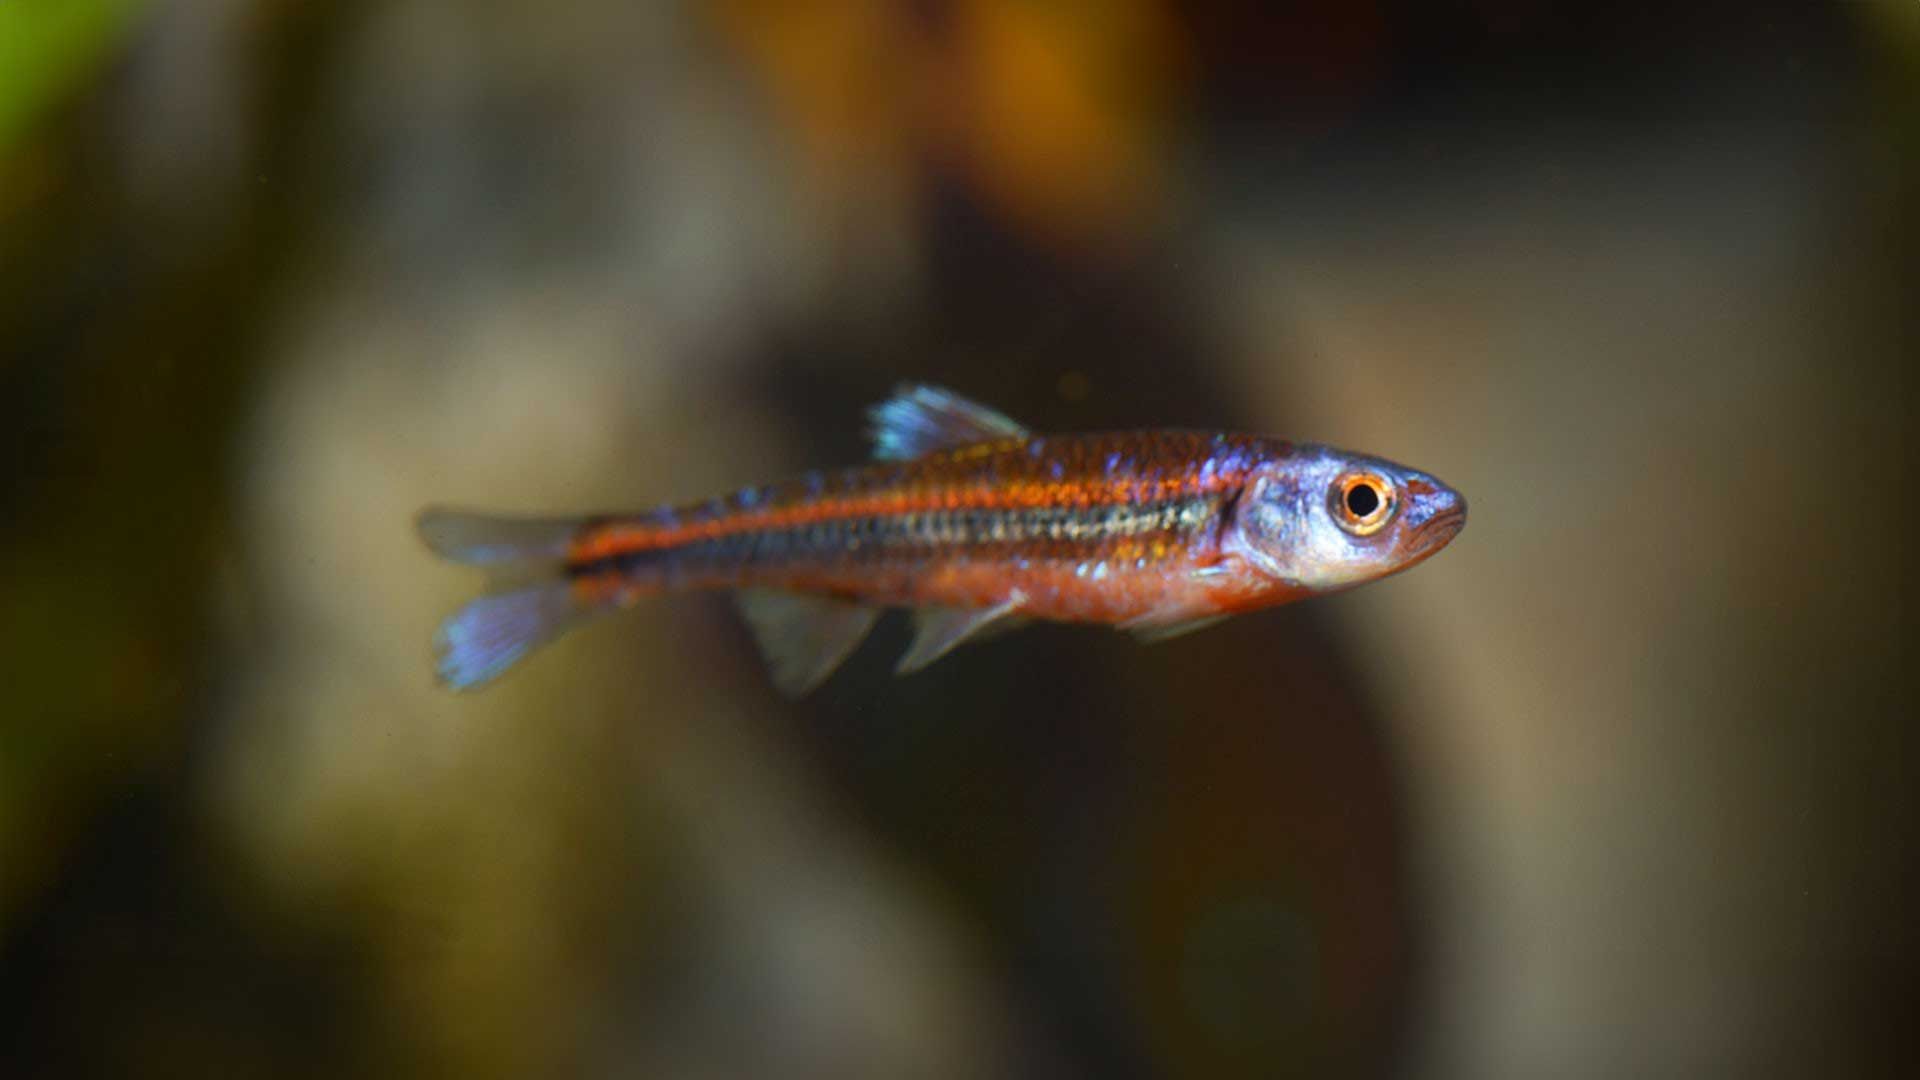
{"type": "Point", "coordinates": [482, 640]}
{"type": "Point", "coordinates": [803, 638]}
{"type": "Point", "coordinates": [1151, 632]}
{"type": "Point", "coordinates": [938, 631]}
{"type": "Point", "coordinates": [483, 540]}
{"type": "Point", "coordinates": [919, 419]}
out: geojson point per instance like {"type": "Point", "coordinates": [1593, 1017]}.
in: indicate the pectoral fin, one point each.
{"type": "Point", "coordinates": [938, 630]}
{"type": "Point", "coordinates": [804, 638]}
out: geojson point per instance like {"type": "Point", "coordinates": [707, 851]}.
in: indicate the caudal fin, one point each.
{"type": "Point", "coordinates": [489, 635]}
{"type": "Point", "coordinates": [491, 541]}
{"type": "Point", "coordinates": [482, 640]}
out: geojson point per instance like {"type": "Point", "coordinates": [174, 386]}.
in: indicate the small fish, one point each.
{"type": "Point", "coordinates": [974, 523]}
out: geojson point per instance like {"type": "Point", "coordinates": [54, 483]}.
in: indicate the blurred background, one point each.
{"type": "Point", "coordinates": [1619, 785]}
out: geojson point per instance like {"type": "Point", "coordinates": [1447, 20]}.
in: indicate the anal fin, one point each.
{"type": "Point", "coordinates": [1150, 632]}
{"type": "Point", "coordinates": [937, 631]}
{"type": "Point", "coordinates": [803, 638]}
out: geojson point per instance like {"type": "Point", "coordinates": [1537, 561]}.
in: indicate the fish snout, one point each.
{"type": "Point", "coordinates": [1435, 512]}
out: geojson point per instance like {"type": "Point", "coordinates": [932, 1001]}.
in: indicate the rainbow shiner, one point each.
{"type": "Point", "coordinates": [976, 524]}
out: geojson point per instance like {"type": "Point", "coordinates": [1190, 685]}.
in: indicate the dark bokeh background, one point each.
{"type": "Point", "coordinates": [1618, 785]}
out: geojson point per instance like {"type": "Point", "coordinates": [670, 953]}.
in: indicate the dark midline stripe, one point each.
{"type": "Point", "coordinates": [1083, 529]}
{"type": "Point", "coordinates": [1172, 464]}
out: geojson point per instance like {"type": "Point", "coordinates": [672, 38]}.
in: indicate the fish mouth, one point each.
{"type": "Point", "coordinates": [1442, 529]}
{"type": "Point", "coordinates": [1446, 516]}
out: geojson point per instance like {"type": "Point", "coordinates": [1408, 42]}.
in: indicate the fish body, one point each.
{"type": "Point", "coordinates": [1089, 528]}
{"type": "Point", "coordinates": [974, 523]}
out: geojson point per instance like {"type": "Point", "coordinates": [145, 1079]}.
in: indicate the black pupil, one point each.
{"type": "Point", "coordinates": [1362, 500]}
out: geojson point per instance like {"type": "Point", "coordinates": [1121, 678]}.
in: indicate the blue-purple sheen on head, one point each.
{"type": "Point", "coordinates": [1324, 519]}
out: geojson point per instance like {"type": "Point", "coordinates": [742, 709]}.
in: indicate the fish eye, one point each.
{"type": "Point", "coordinates": [1363, 502]}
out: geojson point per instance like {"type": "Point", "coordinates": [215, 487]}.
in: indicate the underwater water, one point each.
{"type": "Point", "coordinates": [1617, 784]}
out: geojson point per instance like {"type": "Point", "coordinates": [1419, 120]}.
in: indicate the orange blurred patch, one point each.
{"type": "Point", "coordinates": [1057, 112]}
{"type": "Point", "coordinates": [843, 76]}
{"type": "Point", "coordinates": [1065, 108]}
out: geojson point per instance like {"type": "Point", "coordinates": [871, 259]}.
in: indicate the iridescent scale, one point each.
{"type": "Point", "coordinates": [959, 527]}
{"type": "Point", "coordinates": [968, 519]}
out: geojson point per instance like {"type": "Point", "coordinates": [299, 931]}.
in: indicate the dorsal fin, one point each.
{"type": "Point", "coordinates": [919, 419]}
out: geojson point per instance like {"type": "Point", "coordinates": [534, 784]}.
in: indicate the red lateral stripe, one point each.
{"type": "Point", "coordinates": [626, 537]}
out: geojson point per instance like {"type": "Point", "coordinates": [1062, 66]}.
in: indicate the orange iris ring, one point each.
{"type": "Point", "coordinates": [1388, 501]}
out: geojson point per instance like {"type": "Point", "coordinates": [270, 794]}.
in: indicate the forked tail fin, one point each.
{"type": "Point", "coordinates": [497, 541]}
{"type": "Point", "coordinates": [530, 602]}
{"type": "Point", "coordinates": [485, 638]}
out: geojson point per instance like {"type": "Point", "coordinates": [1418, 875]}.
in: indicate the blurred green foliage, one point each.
{"type": "Point", "coordinates": [47, 50]}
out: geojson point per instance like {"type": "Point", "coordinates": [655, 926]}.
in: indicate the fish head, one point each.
{"type": "Point", "coordinates": [1321, 519]}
